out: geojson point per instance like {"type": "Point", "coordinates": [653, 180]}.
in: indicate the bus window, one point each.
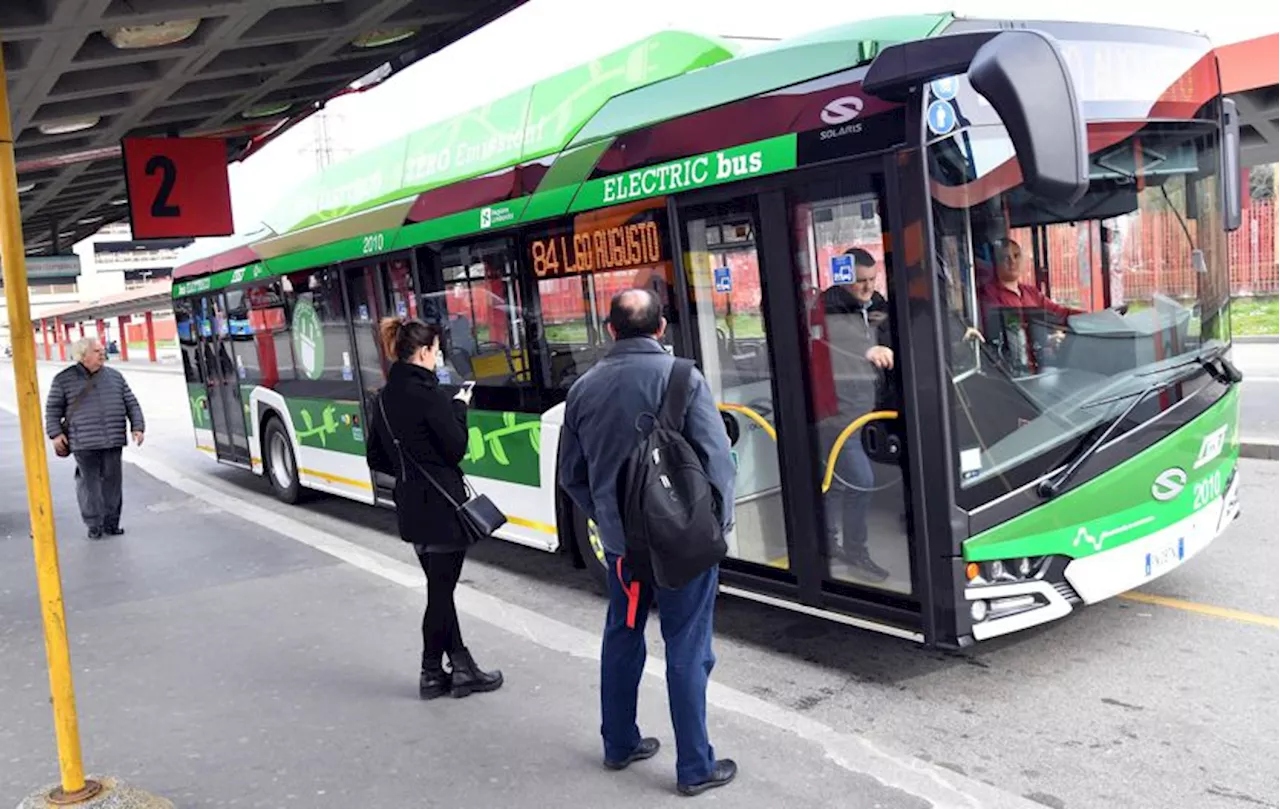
{"type": "Point", "coordinates": [582, 265]}
{"type": "Point", "coordinates": [842, 270]}
{"type": "Point", "coordinates": [398, 283]}
{"type": "Point", "coordinates": [318, 338]}
{"type": "Point", "coordinates": [362, 297]}
{"type": "Point", "coordinates": [480, 311]}
{"type": "Point", "coordinates": [1073, 302]}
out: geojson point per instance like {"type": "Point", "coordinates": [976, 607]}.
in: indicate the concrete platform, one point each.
{"type": "Point", "coordinates": [220, 663]}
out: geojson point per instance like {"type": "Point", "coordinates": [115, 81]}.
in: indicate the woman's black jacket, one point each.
{"type": "Point", "coordinates": [432, 429]}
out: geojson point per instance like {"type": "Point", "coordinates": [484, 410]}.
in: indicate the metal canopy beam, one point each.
{"type": "Point", "coordinates": [242, 55]}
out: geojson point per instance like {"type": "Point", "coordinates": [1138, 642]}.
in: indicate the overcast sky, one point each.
{"type": "Point", "coordinates": [545, 37]}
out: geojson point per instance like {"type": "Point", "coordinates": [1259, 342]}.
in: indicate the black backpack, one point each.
{"type": "Point", "coordinates": [671, 512]}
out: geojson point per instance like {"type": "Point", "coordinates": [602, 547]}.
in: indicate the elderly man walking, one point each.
{"type": "Point", "coordinates": [85, 416]}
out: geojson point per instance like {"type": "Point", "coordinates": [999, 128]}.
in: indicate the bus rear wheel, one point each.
{"type": "Point", "coordinates": [280, 462]}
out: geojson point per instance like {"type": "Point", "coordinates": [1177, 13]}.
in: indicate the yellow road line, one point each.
{"type": "Point", "coordinates": [325, 476]}
{"type": "Point", "coordinates": [1204, 609]}
{"type": "Point", "coordinates": [533, 524]}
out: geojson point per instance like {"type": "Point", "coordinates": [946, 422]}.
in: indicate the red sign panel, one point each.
{"type": "Point", "coordinates": [178, 187]}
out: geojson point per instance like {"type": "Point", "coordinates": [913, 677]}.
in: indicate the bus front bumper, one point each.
{"type": "Point", "coordinates": [1012, 606]}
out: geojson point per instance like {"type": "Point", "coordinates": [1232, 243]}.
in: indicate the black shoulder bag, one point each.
{"type": "Point", "coordinates": [478, 515]}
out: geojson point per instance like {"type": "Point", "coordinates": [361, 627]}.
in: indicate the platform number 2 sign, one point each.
{"type": "Point", "coordinates": [178, 187]}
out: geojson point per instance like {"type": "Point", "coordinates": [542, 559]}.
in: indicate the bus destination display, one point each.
{"type": "Point", "coordinates": [574, 251]}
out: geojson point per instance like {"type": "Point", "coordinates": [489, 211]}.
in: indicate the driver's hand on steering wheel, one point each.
{"type": "Point", "coordinates": [880, 357]}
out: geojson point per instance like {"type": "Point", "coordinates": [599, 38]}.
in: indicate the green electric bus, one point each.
{"type": "Point", "coordinates": [1028, 218]}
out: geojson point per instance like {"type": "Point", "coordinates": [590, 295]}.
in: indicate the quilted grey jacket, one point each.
{"type": "Point", "coordinates": [100, 418]}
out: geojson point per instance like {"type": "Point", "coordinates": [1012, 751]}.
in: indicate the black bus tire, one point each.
{"type": "Point", "coordinates": [590, 551]}
{"type": "Point", "coordinates": [280, 465]}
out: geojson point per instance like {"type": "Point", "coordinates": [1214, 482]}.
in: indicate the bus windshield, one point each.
{"type": "Point", "coordinates": [1054, 306]}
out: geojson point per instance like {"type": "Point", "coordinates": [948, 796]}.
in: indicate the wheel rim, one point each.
{"type": "Point", "coordinates": [281, 462]}
{"type": "Point", "coordinates": [597, 545]}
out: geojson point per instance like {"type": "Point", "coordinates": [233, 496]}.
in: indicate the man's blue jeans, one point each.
{"type": "Point", "coordinates": [849, 499]}
{"type": "Point", "coordinates": [686, 616]}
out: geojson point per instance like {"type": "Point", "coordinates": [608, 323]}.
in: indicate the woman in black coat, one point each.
{"type": "Point", "coordinates": [430, 427]}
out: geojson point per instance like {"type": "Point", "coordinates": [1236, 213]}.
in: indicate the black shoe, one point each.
{"type": "Point", "coordinates": [648, 748]}
{"type": "Point", "coordinates": [95, 533]}
{"type": "Point", "coordinates": [113, 531]}
{"type": "Point", "coordinates": [862, 563]}
{"type": "Point", "coordinates": [434, 682]}
{"type": "Point", "coordinates": [724, 772]}
{"type": "Point", "coordinates": [468, 678]}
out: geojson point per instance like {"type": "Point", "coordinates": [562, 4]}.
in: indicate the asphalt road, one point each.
{"type": "Point", "coordinates": [1260, 402]}
{"type": "Point", "coordinates": [1126, 704]}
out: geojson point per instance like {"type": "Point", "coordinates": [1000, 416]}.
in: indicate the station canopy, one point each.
{"type": "Point", "coordinates": [83, 74]}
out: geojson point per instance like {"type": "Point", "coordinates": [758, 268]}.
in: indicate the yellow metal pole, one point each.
{"type": "Point", "coordinates": [36, 464]}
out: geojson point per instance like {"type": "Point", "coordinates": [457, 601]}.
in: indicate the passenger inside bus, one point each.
{"type": "Point", "coordinates": [857, 325]}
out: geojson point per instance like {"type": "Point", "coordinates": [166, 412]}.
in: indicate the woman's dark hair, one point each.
{"type": "Point", "coordinates": [635, 313]}
{"type": "Point", "coordinates": [401, 337]}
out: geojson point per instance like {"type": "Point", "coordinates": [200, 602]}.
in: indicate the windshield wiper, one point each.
{"type": "Point", "coordinates": [1054, 486]}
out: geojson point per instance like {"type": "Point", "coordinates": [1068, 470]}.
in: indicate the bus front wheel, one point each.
{"type": "Point", "coordinates": [587, 535]}
{"type": "Point", "coordinates": [280, 462]}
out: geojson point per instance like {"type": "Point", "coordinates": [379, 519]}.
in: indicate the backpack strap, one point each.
{"type": "Point", "coordinates": [632, 590]}
{"type": "Point", "coordinates": [677, 395]}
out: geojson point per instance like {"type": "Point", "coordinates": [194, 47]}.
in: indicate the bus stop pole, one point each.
{"type": "Point", "coordinates": [35, 462]}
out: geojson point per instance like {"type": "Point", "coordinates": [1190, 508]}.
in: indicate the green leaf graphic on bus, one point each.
{"type": "Point", "coordinates": [504, 446]}
{"type": "Point", "coordinates": [309, 429]}
{"type": "Point", "coordinates": [328, 424]}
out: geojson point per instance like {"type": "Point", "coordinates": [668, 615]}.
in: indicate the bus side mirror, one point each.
{"type": "Point", "coordinates": [1023, 75]}
{"type": "Point", "coordinates": [1231, 193]}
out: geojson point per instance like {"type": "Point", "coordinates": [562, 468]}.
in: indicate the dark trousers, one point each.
{"type": "Point", "coordinates": [99, 487]}
{"type": "Point", "coordinates": [440, 632]}
{"type": "Point", "coordinates": [686, 616]}
{"type": "Point", "coordinates": [849, 498]}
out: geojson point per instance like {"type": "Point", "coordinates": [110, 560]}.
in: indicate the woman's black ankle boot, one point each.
{"type": "Point", "coordinates": [434, 681]}
{"type": "Point", "coordinates": [468, 678]}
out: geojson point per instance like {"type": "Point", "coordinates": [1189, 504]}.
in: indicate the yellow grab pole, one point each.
{"type": "Point", "coordinates": [36, 463]}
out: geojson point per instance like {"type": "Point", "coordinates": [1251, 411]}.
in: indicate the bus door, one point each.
{"type": "Point", "coordinates": [222, 378]}
{"type": "Point", "coordinates": [789, 294]}
{"type": "Point", "coordinates": [367, 309]}
{"type": "Point", "coordinates": [731, 343]}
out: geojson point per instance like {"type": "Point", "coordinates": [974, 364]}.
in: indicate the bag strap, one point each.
{"type": "Point", "coordinates": [677, 395]}
{"type": "Point", "coordinates": [402, 452]}
{"type": "Point", "coordinates": [75, 403]}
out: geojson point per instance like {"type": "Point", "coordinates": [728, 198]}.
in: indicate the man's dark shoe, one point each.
{"type": "Point", "coordinates": [862, 563]}
{"type": "Point", "coordinates": [113, 531]}
{"type": "Point", "coordinates": [95, 533]}
{"type": "Point", "coordinates": [468, 678]}
{"type": "Point", "coordinates": [724, 772]}
{"type": "Point", "coordinates": [648, 748]}
{"type": "Point", "coordinates": [434, 682]}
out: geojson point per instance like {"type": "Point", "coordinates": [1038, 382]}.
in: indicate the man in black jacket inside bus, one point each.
{"type": "Point", "coordinates": [858, 332]}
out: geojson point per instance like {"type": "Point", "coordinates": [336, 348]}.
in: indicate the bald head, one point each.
{"type": "Point", "coordinates": [635, 313]}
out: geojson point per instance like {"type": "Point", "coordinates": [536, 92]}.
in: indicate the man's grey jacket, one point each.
{"type": "Point", "coordinates": [602, 422]}
{"type": "Point", "coordinates": [99, 420]}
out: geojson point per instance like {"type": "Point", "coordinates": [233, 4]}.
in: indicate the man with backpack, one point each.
{"type": "Point", "coordinates": [644, 454]}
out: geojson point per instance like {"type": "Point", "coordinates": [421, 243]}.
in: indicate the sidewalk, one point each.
{"type": "Point", "coordinates": [220, 662]}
